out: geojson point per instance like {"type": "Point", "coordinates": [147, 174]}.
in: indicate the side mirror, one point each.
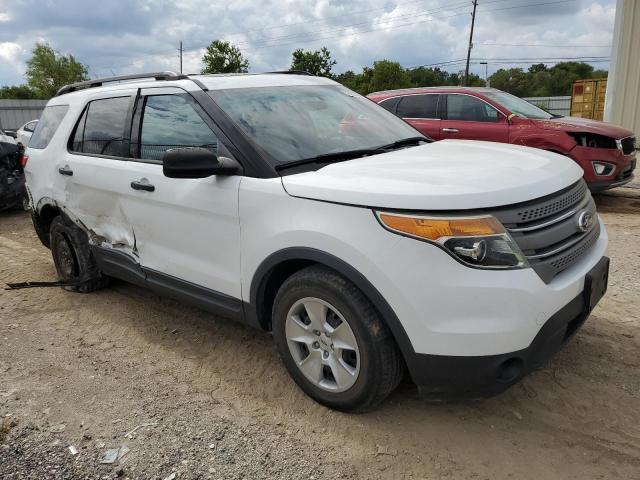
{"type": "Point", "coordinates": [197, 162]}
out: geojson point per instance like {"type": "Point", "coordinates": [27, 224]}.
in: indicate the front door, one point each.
{"type": "Point", "coordinates": [187, 229]}
{"type": "Point", "coordinates": [466, 117]}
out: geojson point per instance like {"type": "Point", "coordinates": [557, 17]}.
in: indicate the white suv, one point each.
{"type": "Point", "coordinates": [299, 207]}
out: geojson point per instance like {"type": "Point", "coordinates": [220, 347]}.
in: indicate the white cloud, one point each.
{"type": "Point", "coordinates": [120, 36]}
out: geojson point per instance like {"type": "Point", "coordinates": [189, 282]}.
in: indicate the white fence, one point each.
{"type": "Point", "coordinates": [15, 113]}
{"type": "Point", "coordinates": [555, 105]}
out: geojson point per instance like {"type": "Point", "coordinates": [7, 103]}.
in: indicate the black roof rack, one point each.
{"type": "Point", "coordinates": [293, 72]}
{"type": "Point", "coordinates": [98, 82]}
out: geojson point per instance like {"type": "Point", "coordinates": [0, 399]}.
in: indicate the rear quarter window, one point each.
{"type": "Point", "coordinates": [47, 126]}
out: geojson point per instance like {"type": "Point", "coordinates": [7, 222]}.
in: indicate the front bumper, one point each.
{"type": "Point", "coordinates": [443, 377]}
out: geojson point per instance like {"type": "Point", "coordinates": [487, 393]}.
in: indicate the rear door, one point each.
{"type": "Point", "coordinates": [421, 112]}
{"type": "Point", "coordinates": [185, 229]}
{"type": "Point", "coordinates": [467, 117]}
{"type": "Point", "coordinates": [90, 170]}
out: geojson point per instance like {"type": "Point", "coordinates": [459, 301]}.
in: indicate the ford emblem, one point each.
{"type": "Point", "coordinates": [585, 220]}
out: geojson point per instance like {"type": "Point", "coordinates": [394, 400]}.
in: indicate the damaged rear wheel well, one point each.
{"type": "Point", "coordinates": [42, 222]}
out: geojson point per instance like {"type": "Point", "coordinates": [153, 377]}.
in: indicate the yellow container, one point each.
{"type": "Point", "coordinates": [587, 98]}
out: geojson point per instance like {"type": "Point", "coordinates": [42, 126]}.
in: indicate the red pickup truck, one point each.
{"type": "Point", "coordinates": [606, 153]}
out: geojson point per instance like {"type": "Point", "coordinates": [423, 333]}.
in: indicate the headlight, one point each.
{"type": "Point", "coordinates": [480, 241]}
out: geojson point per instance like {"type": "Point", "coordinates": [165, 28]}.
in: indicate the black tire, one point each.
{"type": "Point", "coordinates": [72, 257]}
{"type": "Point", "coordinates": [381, 365]}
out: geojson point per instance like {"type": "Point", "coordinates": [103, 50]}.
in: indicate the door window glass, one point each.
{"type": "Point", "coordinates": [170, 121]}
{"type": "Point", "coordinates": [418, 106]}
{"type": "Point", "coordinates": [47, 126]}
{"type": "Point", "coordinates": [471, 109]}
{"type": "Point", "coordinates": [101, 128]}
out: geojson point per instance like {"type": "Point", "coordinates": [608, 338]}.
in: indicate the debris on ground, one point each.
{"type": "Point", "coordinates": [115, 454]}
{"type": "Point", "coordinates": [138, 427]}
{"type": "Point", "coordinates": [59, 428]}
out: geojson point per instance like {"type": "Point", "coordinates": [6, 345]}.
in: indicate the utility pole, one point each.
{"type": "Point", "coordinates": [180, 56]}
{"type": "Point", "coordinates": [473, 21]}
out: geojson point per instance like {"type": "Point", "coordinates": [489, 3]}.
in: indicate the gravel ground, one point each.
{"type": "Point", "coordinates": [211, 399]}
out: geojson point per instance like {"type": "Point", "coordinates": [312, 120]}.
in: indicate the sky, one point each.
{"type": "Point", "coordinates": [116, 37]}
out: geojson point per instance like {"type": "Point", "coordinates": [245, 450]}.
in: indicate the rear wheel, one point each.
{"type": "Point", "coordinates": [72, 257]}
{"type": "Point", "coordinates": [333, 341]}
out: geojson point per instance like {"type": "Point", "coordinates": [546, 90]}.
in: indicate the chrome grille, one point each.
{"type": "Point", "coordinates": [554, 205]}
{"type": "Point", "coordinates": [548, 232]}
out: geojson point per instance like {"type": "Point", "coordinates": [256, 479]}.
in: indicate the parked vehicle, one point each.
{"type": "Point", "coordinates": [24, 132]}
{"type": "Point", "coordinates": [7, 136]}
{"type": "Point", "coordinates": [606, 153]}
{"type": "Point", "coordinates": [299, 207]}
{"type": "Point", "coordinates": [13, 192]}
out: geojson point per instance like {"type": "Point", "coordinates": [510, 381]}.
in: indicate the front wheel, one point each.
{"type": "Point", "coordinates": [333, 342]}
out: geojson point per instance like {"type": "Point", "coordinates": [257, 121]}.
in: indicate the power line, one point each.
{"type": "Point", "coordinates": [333, 36]}
{"type": "Point", "coordinates": [330, 34]}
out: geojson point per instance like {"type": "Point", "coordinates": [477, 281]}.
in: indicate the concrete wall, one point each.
{"type": "Point", "coordinates": [15, 113]}
{"type": "Point", "coordinates": [622, 103]}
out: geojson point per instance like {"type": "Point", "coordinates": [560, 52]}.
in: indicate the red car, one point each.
{"type": "Point", "coordinates": [606, 153]}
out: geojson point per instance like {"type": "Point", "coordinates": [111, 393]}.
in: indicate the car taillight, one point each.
{"type": "Point", "coordinates": [24, 160]}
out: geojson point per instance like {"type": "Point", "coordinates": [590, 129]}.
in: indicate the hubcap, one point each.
{"type": "Point", "coordinates": [322, 344]}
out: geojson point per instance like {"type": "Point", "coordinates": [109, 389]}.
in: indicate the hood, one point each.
{"type": "Point", "coordinates": [445, 175]}
{"type": "Point", "coordinates": [576, 124]}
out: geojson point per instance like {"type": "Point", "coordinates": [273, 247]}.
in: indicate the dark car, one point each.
{"type": "Point", "coordinates": [606, 153]}
{"type": "Point", "coordinates": [12, 182]}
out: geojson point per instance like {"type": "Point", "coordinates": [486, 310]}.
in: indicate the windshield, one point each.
{"type": "Point", "coordinates": [516, 105]}
{"type": "Point", "coordinates": [294, 123]}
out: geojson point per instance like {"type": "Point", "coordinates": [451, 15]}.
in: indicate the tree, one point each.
{"type": "Point", "coordinates": [224, 57]}
{"type": "Point", "coordinates": [388, 75]}
{"type": "Point", "coordinates": [18, 92]}
{"type": "Point", "coordinates": [316, 63]}
{"type": "Point", "coordinates": [48, 70]}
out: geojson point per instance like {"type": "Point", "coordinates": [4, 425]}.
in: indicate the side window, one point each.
{"type": "Point", "coordinates": [30, 127]}
{"type": "Point", "coordinates": [470, 109]}
{"type": "Point", "coordinates": [418, 106]}
{"type": "Point", "coordinates": [101, 128]}
{"type": "Point", "coordinates": [47, 126]}
{"type": "Point", "coordinates": [170, 121]}
{"type": "Point", "coordinates": [390, 104]}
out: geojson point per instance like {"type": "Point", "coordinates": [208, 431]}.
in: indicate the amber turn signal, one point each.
{"type": "Point", "coordinates": [433, 228]}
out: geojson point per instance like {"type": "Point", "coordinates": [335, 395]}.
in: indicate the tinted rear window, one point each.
{"type": "Point", "coordinates": [47, 126]}
{"type": "Point", "coordinates": [418, 106]}
{"type": "Point", "coordinates": [101, 128]}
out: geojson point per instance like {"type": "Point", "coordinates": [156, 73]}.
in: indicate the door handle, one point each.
{"type": "Point", "coordinates": [65, 171]}
{"type": "Point", "coordinates": [450, 130]}
{"type": "Point", "coordinates": [143, 184]}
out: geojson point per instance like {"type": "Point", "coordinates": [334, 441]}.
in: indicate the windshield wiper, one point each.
{"type": "Point", "coordinates": [403, 143]}
{"type": "Point", "coordinates": [331, 157]}
{"type": "Point", "coordinates": [351, 154]}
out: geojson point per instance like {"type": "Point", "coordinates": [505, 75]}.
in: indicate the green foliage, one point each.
{"type": "Point", "coordinates": [316, 63]}
{"type": "Point", "coordinates": [386, 75]}
{"type": "Point", "coordinates": [48, 70]}
{"type": "Point", "coordinates": [538, 81]}
{"type": "Point", "coordinates": [224, 57]}
{"type": "Point", "coordinates": [18, 92]}
{"type": "Point", "coordinates": [542, 81]}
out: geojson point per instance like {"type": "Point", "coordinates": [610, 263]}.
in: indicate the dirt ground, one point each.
{"type": "Point", "coordinates": [215, 402]}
